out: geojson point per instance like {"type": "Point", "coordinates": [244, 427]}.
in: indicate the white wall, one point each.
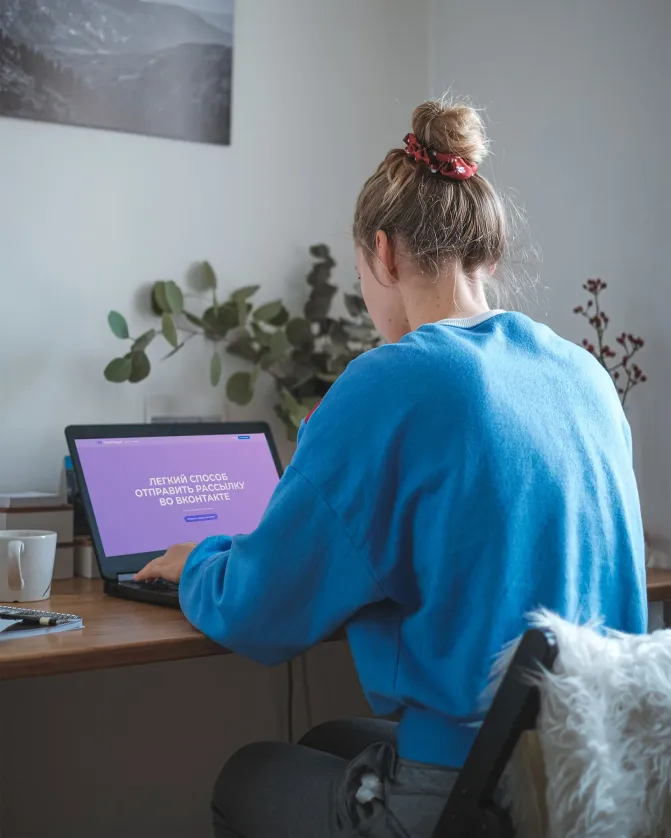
{"type": "Point", "coordinates": [579, 103]}
{"type": "Point", "coordinates": [321, 91]}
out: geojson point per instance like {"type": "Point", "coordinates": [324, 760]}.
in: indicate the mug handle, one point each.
{"type": "Point", "coordinates": [14, 575]}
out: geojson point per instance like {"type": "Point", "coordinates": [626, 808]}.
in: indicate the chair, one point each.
{"type": "Point", "coordinates": [471, 809]}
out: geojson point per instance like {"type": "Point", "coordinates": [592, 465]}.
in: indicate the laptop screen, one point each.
{"type": "Point", "coordinates": [152, 492]}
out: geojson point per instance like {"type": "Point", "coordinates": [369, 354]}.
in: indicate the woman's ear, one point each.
{"type": "Point", "coordinates": [386, 254]}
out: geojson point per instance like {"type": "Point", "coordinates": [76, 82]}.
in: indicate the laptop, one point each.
{"type": "Point", "coordinates": [147, 487]}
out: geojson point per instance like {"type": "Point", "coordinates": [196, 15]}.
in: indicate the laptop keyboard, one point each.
{"type": "Point", "coordinates": [157, 591]}
{"type": "Point", "coordinates": [162, 585]}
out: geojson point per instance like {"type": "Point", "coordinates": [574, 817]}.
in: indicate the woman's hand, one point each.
{"type": "Point", "coordinates": [169, 566]}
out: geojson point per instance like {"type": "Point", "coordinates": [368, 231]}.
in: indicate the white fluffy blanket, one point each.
{"type": "Point", "coordinates": [603, 769]}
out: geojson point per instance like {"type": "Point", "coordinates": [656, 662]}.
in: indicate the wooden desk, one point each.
{"type": "Point", "coordinates": [659, 585]}
{"type": "Point", "coordinates": [118, 633]}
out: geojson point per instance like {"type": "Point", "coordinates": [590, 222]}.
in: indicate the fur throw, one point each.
{"type": "Point", "coordinates": [599, 764]}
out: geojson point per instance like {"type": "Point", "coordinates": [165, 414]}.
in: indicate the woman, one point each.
{"type": "Point", "coordinates": [475, 467]}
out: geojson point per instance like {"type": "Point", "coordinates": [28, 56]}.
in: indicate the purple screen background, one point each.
{"type": "Point", "coordinates": [114, 469]}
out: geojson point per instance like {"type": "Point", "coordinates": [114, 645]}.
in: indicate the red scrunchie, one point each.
{"type": "Point", "coordinates": [447, 165]}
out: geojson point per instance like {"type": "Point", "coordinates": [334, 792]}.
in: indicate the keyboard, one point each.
{"type": "Point", "coordinates": [156, 591]}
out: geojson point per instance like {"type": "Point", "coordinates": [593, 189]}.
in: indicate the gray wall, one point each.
{"type": "Point", "coordinates": [578, 100]}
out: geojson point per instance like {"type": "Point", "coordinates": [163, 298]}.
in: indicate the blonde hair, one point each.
{"type": "Point", "coordinates": [435, 219]}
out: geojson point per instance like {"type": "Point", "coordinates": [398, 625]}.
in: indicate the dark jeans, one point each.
{"type": "Point", "coordinates": [276, 790]}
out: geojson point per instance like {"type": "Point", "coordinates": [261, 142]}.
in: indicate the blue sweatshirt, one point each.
{"type": "Point", "coordinates": [447, 485]}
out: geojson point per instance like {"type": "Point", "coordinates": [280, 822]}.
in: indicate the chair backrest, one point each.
{"type": "Point", "coordinates": [471, 809]}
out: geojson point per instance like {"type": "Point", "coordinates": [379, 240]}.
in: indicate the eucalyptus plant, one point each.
{"type": "Point", "coordinates": [305, 354]}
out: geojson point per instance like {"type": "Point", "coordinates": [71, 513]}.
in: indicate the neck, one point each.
{"type": "Point", "coordinates": [451, 295]}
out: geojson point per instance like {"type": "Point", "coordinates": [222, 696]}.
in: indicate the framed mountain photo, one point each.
{"type": "Point", "coordinates": [156, 67]}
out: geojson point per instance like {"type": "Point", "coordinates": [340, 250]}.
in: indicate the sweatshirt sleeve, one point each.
{"type": "Point", "coordinates": [274, 593]}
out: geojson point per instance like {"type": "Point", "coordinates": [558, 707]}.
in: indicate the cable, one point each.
{"type": "Point", "coordinates": [306, 688]}
{"type": "Point", "coordinates": [291, 690]}
{"type": "Point", "coordinates": [290, 701]}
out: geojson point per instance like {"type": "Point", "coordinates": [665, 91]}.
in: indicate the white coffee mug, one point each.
{"type": "Point", "coordinates": [26, 564]}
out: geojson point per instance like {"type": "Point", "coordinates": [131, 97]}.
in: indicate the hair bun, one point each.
{"type": "Point", "coordinates": [451, 128]}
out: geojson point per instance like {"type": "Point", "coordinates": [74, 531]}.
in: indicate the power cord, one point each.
{"type": "Point", "coordinates": [306, 691]}
{"type": "Point", "coordinates": [290, 701]}
{"type": "Point", "coordinates": [291, 690]}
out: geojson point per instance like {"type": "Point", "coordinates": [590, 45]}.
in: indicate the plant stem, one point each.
{"type": "Point", "coordinates": [600, 329]}
{"type": "Point", "coordinates": [180, 345]}
{"type": "Point", "coordinates": [629, 347]}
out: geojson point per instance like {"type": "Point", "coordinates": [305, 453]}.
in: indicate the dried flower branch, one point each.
{"type": "Point", "coordinates": [625, 373]}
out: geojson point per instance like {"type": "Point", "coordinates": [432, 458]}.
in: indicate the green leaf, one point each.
{"type": "Point", "coordinates": [118, 325]}
{"type": "Point", "coordinates": [265, 359]}
{"type": "Point", "coordinates": [118, 370]}
{"type": "Point", "coordinates": [319, 275]}
{"type": "Point", "coordinates": [320, 251]}
{"type": "Point", "coordinates": [326, 291]}
{"type": "Point", "coordinates": [209, 277]}
{"type": "Point", "coordinates": [193, 319]}
{"type": "Point", "coordinates": [338, 333]}
{"type": "Point", "coordinates": [288, 402]}
{"type": "Point", "coordinates": [215, 369]}
{"type": "Point", "coordinates": [333, 349]}
{"type": "Point", "coordinates": [230, 314]}
{"type": "Point", "coordinates": [159, 299]}
{"type": "Point", "coordinates": [299, 332]}
{"type": "Point", "coordinates": [339, 364]}
{"type": "Point", "coordinates": [291, 429]}
{"type": "Point", "coordinates": [279, 345]}
{"type": "Point", "coordinates": [169, 329]}
{"type": "Point", "coordinates": [268, 311]}
{"type": "Point", "coordinates": [284, 371]}
{"type": "Point", "coordinates": [211, 323]}
{"type": "Point", "coordinates": [280, 318]}
{"type": "Point", "coordinates": [354, 304]}
{"type": "Point", "coordinates": [140, 366]}
{"type": "Point", "coordinates": [239, 300]}
{"type": "Point", "coordinates": [318, 306]}
{"type": "Point", "coordinates": [300, 371]}
{"type": "Point", "coordinates": [319, 362]}
{"type": "Point", "coordinates": [293, 408]}
{"type": "Point", "coordinates": [218, 321]}
{"type": "Point", "coordinates": [242, 311]}
{"type": "Point", "coordinates": [260, 335]}
{"type": "Point", "coordinates": [244, 293]}
{"type": "Point", "coordinates": [174, 297]}
{"type": "Point", "coordinates": [363, 334]}
{"type": "Point", "coordinates": [243, 348]}
{"type": "Point", "coordinates": [143, 341]}
{"type": "Point", "coordinates": [239, 388]}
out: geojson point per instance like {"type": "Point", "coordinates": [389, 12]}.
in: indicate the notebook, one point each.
{"type": "Point", "coordinates": [28, 500]}
{"type": "Point", "coordinates": [25, 622]}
